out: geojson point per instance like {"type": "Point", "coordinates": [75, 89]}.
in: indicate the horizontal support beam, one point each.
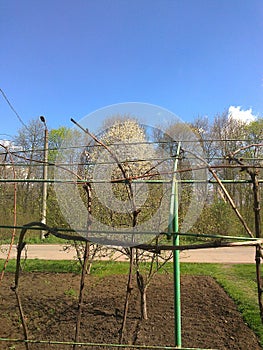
{"type": "Point", "coordinates": [79, 182]}
{"type": "Point", "coordinates": [189, 234]}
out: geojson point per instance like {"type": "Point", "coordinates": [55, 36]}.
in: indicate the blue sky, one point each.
{"type": "Point", "coordinates": [65, 58]}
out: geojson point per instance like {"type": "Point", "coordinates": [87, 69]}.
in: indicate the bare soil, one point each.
{"type": "Point", "coordinates": [209, 317]}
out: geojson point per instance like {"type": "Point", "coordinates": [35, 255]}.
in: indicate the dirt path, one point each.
{"type": "Point", "coordinates": [237, 255]}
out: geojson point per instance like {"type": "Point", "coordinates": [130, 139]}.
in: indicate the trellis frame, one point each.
{"type": "Point", "coordinates": [173, 231]}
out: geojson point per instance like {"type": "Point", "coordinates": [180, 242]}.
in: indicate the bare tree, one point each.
{"type": "Point", "coordinates": [30, 140]}
{"type": "Point", "coordinates": [253, 173]}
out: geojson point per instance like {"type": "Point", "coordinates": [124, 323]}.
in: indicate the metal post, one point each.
{"type": "Point", "coordinates": [45, 170]}
{"type": "Point", "coordinates": [173, 228]}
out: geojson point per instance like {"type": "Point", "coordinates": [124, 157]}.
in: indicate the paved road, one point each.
{"type": "Point", "coordinates": [237, 255]}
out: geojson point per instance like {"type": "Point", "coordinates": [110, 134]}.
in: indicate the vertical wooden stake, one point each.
{"type": "Point", "coordinates": [254, 177]}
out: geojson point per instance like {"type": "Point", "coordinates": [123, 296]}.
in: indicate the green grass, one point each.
{"type": "Point", "coordinates": [239, 281]}
{"type": "Point", "coordinates": [37, 265]}
{"type": "Point", "coordinates": [240, 284]}
{"type": "Point", "coordinates": [100, 268]}
{"type": "Point", "coordinates": [35, 239]}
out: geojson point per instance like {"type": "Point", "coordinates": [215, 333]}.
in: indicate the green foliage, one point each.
{"type": "Point", "coordinates": [56, 137]}
{"type": "Point", "coordinates": [254, 130]}
{"type": "Point", "coordinates": [217, 218]}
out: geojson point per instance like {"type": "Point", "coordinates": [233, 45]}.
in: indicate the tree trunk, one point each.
{"type": "Point", "coordinates": [87, 187]}
{"type": "Point", "coordinates": [142, 288]}
{"type": "Point", "coordinates": [128, 294]}
{"type": "Point", "coordinates": [81, 293]}
{"type": "Point", "coordinates": [144, 314]}
{"type": "Point", "coordinates": [253, 175]}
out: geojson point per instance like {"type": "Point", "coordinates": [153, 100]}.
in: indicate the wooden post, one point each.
{"type": "Point", "coordinates": [256, 193]}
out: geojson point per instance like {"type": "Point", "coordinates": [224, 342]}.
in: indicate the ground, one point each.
{"type": "Point", "coordinates": [209, 317]}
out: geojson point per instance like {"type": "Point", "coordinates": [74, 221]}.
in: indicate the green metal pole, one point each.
{"type": "Point", "coordinates": [174, 227]}
{"type": "Point", "coordinates": [176, 268]}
